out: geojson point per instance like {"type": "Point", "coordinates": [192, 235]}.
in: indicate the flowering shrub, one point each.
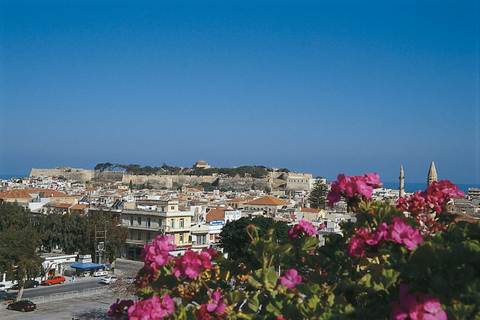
{"type": "Point", "coordinates": [409, 261]}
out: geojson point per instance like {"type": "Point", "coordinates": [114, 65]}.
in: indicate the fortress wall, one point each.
{"type": "Point", "coordinates": [166, 181]}
{"type": "Point", "coordinates": [67, 172]}
{"type": "Point", "coordinates": [194, 180]}
{"type": "Point", "coordinates": [241, 184]}
{"type": "Point", "coordinates": [162, 181]}
{"type": "Point", "coordinates": [109, 175]}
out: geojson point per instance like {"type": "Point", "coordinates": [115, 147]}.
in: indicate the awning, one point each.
{"type": "Point", "coordinates": [87, 266]}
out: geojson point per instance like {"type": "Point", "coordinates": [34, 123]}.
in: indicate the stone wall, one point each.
{"type": "Point", "coordinates": [243, 184]}
{"type": "Point", "coordinates": [153, 180]}
{"type": "Point", "coordinates": [166, 181]}
{"type": "Point", "coordinates": [110, 176]}
{"type": "Point", "coordinates": [274, 181]}
{"type": "Point", "coordinates": [67, 172]}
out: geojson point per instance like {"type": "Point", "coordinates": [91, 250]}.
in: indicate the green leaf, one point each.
{"type": "Point", "coordinates": [309, 244]}
{"type": "Point", "coordinates": [252, 305]}
{"type": "Point", "coordinates": [271, 279]}
{"type": "Point", "coordinates": [256, 279]}
{"type": "Point", "coordinates": [235, 296]}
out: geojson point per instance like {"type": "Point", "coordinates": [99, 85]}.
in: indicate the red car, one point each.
{"type": "Point", "coordinates": [54, 280]}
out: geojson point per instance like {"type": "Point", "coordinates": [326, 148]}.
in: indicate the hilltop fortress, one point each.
{"type": "Point", "coordinates": [274, 179]}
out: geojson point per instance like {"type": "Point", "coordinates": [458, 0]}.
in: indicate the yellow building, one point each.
{"type": "Point", "coordinates": [151, 218]}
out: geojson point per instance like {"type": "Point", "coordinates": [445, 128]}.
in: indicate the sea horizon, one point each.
{"type": "Point", "coordinates": [409, 186]}
{"type": "Point", "coordinates": [416, 186]}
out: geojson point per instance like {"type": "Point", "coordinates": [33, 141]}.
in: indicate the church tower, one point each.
{"type": "Point", "coordinates": [432, 174]}
{"type": "Point", "coordinates": [401, 187]}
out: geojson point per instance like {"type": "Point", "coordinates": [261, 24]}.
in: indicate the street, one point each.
{"type": "Point", "coordinates": [85, 298]}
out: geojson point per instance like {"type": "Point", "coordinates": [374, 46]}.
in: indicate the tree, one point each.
{"type": "Point", "coordinates": [116, 235]}
{"type": "Point", "coordinates": [235, 239]}
{"type": "Point", "coordinates": [19, 242]}
{"type": "Point", "coordinates": [318, 195]}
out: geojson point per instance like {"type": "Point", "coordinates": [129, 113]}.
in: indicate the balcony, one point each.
{"type": "Point", "coordinates": [168, 229]}
{"type": "Point", "coordinates": [137, 242]}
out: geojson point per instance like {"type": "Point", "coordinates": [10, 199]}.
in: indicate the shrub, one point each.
{"type": "Point", "coordinates": [410, 261]}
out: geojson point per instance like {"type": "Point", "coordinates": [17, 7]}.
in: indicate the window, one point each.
{"type": "Point", "coordinates": [148, 237]}
{"type": "Point", "coordinates": [139, 235]}
{"type": "Point", "coordinates": [131, 235]}
{"type": "Point", "coordinates": [172, 207]}
{"type": "Point", "coordinates": [149, 222]}
{"type": "Point", "coordinates": [131, 221]}
{"type": "Point", "coordinates": [181, 237]}
{"type": "Point", "coordinates": [139, 220]}
{"type": "Point", "coordinates": [182, 223]}
{"type": "Point", "coordinates": [172, 223]}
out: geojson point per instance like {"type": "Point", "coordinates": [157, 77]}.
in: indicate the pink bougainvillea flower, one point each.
{"type": "Point", "coordinates": [211, 251]}
{"type": "Point", "coordinates": [356, 247]}
{"type": "Point", "coordinates": [302, 229]}
{"type": "Point", "coordinates": [399, 231]}
{"type": "Point", "coordinates": [291, 279]}
{"type": "Point", "coordinates": [402, 233]}
{"type": "Point", "coordinates": [157, 254]}
{"type": "Point", "coordinates": [203, 314]}
{"type": "Point", "coordinates": [155, 307]}
{"type": "Point", "coordinates": [216, 303]}
{"type": "Point", "coordinates": [416, 306]}
{"type": "Point", "coordinates": [192, 263]}
{"type": "Point", "coordinates": [373, 180]}
{"type": "Point", "coordinates": [353, 188]}
{"type": "Point", "coordinates": [189, 265]}
{"type": "Point", "coordinates": [431, 308]}
{"type": "Point", "coordinates": [431, 200]}
{"type": "Point", "coordinates": [378, 235]}
{"type": "Point", "coordinates": [119, 309]}
{"type": "Point", "coordinates": [363, 189]}
{"type": "Point", "coordinates": [206, 257]}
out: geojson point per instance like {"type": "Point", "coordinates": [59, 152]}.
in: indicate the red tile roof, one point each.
{"type": "Point", "coordinates": [215, 214]}
{"type": "Point", "coordinates": [79, 207]}
{"type": "Point", "coordinates": [268, 201]}
{"type": "Point", "coordinates": [25, 193]}
{"type": "Point", "coordinates": [15, 194]}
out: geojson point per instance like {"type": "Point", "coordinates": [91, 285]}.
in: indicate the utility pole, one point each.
{"type": "Point", "coordinates": [100, 241]}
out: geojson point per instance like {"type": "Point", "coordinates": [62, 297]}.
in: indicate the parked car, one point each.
{"type": "Point", "coordinates": [4, 287]}
{"type": "Point", "coordinates": [22, 305]}
{"type": "Point", "coordinates": [129, 279]}
{"type": "Point", "coordinates": [28, 284]}
{"type": "Point", "coordinates": [100, 273]}
{"type": "Point", "coordinates": [108, 279]}
{"type": "Point", "coordinates": [53, 280]}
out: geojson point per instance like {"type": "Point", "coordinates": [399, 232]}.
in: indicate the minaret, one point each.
{"type": "Point", "coordinates": [432, 174]}
{"type": "Point", "coordinates": [401, 187]}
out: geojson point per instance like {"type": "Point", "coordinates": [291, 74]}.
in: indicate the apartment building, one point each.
{"type": "Point", "coordinates": [146, 219]}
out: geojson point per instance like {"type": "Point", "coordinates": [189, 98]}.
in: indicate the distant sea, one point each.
{"type": "Point", "coordinates": [409, 187]}
{"type": "Point", "coordinates": [9, 176]}
{"type": "Point", "coordinates": [412, 187]}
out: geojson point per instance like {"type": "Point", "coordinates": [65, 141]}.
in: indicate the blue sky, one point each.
{"type": "Point", "coordinates": [321, 87]}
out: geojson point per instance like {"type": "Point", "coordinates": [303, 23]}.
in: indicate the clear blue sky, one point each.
{"type": "Point", "coordinates": [321, 87]}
